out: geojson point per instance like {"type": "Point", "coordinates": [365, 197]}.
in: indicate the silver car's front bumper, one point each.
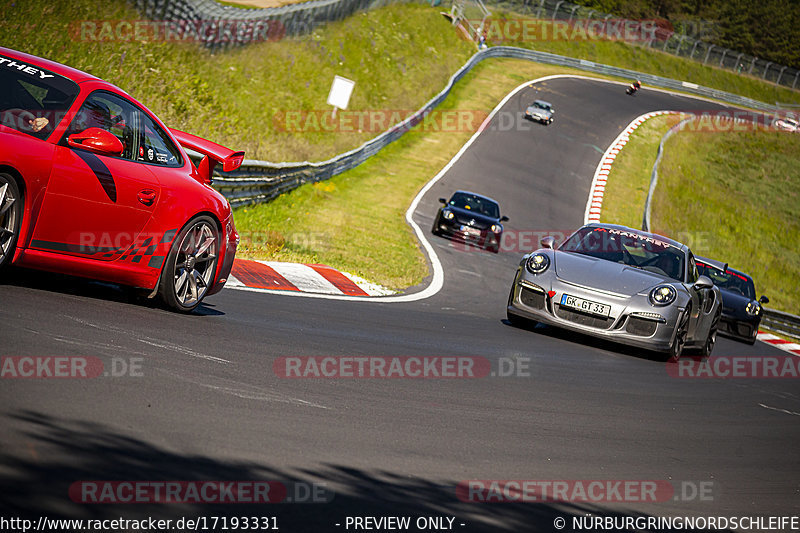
{"type": "Point", "coordinates": [631, 320]}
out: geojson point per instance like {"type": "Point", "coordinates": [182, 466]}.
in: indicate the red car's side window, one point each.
{"type": "Point", "coordinates": [142, 139]}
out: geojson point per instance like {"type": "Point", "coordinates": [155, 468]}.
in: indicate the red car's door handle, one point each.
{"type": "Point", "coordinates": [147, 197]}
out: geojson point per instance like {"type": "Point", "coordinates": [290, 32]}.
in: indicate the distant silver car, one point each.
{"type": "Point", "coordinates": [787, 124]}
{"type": "Point", "coordinates": [621, 284]}
{"type": "Point", "coordinates": [540, 111]}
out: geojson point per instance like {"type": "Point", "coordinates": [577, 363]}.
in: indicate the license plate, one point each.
{"type": "Point", "coordinates": [471, 232]}
{"type": "Point", "coordinates": [586, 306]}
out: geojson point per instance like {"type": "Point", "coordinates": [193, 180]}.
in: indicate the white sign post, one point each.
{"type": "Point", "coordinates": [341, 89]}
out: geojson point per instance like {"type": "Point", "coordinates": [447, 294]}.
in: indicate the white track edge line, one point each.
{"type": "Point", "coordinates": [437, 281]}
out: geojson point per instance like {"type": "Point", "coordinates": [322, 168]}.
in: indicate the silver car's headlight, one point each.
{"type": "Point", "coordinates": [448, 215]}
{"type": "Point", "coordinates": [663, 295]}
{"type": "Point", "coordinates": [537, 263]}
{"type": "Point", "coordinates": [753, 308]}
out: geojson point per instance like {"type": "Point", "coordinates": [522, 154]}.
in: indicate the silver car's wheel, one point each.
{"type": "Point", "coordinates": [681, 331]}
{"type": "Point", "coordinates": [191, 266]}
{"type": "Point", "coordinates": [10, 218]}
{"type": "Point", "coordinates": [712, 335]}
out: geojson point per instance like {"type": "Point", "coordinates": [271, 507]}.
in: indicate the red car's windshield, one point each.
{"type": "Point", "coordinates": [33, 100]}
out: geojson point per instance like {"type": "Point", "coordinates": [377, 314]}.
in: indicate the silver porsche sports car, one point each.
{"type": "Point", "coordinates": [620, 284]}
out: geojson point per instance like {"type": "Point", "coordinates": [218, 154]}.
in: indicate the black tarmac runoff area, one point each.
{"type": "Point", "coordinates": [269, 412]}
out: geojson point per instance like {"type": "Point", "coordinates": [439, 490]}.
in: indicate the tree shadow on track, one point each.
{"type": "Point", "coordinates": [37, 479]}
{"type": "Point", "coordinates": [588, 340]}
{"type": "Point", "coordinates": [86, 288]}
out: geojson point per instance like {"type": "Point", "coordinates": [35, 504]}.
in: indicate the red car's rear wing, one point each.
{"type": "Point", "coordinates": [213, 153]}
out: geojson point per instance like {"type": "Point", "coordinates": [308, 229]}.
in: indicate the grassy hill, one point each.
{"type": "Point", "coordinates": [741, 190]}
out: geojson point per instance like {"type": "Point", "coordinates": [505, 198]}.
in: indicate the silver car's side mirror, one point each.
{"type": "Point", "coordinates": [703, 282]}
{"type": "Point", "coordinates": [548, 242]}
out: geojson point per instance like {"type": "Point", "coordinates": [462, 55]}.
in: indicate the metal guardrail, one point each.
{"type": "Point", "coordinates": [219, 26]}
{"type": "Point", "coordinates": [654, 173]}
{"type": "Point", "coordinates": [260, 181]}
{"type": "Point", "coordinates": [777, 321]}
{"type": "Point", "coordinates": [780, 322]}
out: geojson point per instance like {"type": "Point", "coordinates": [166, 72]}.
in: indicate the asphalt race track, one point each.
{"type": "Point", "coordinates": [206, 404]}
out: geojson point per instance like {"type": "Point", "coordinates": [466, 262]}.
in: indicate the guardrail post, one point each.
{"type": "Point", "coordinates": [794, 85]}
{"type": "Point", "coordinates": [780, 75]}
{"type": "Point", "coordinates": [721, 59]}
{"type": "Point", "coordinates": [540, 10]}
{"type": "Point", "coordinates": [572, 13]}
{"type": "Point", "coordinates": [708, 53]}
{"type": "Point", "coordinates": [764, 76]}
{"type": "Point", "coordinates": [555, 11]}
{"type": "Point", "coordinates": [691, 54]}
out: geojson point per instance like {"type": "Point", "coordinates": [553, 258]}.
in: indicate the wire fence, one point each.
{"type": "Point", "coordinates": [665, 39]}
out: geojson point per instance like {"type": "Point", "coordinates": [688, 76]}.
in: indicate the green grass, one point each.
{"type": "Point", "coordinates": [399, 56]}
{"type": "Point", "coordinates": [355, 221]}
{"type": "Point", "coordinates": [642, 59]}
{"type": "Point", "coordinates": [722, 195]}
{"type": "Point", "coordinates": [734, 196]}
{"type": "Point", "coordinates": [629, 179]}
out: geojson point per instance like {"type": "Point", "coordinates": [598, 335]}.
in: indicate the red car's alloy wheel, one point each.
{"type": "Point", "coordinates": [10, 217]}
{"type": "Point", "coordinates": [190, 268]}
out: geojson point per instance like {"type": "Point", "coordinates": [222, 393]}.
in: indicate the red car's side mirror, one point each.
{"type": "Point", "coordinates": [96, 140]}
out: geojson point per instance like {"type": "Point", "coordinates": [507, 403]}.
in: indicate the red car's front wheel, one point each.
{"type": "Point", "coordinates": [191, 265]}
{"type": "Point", "coordinates": [10, 217]}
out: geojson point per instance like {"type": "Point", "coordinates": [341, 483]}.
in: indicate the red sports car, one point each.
{"type": "Point", "coordinates": [92, 184]}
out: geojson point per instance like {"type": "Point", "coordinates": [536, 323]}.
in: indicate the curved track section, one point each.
{"type": "Point", "coordinates": [206, 401]}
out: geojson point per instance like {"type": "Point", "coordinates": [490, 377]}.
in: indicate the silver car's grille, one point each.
{"type": "Point", "coordinates": [640, 326]}
{"type": "Point", "coordinates": [531, 298]}
{"type": "Point", "coordinates": [583, 319]}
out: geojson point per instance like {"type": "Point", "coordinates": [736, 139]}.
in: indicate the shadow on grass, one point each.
{"type": "Point", "coordinates": [37, 484]}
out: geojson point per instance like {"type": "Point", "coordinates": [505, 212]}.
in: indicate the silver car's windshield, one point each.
{"type": "Point", "coordinates": [620, 246]}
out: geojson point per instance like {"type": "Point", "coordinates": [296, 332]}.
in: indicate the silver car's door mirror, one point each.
{"type": "Point", "coordinates": [548, 242]}
{"type": "Point", "coordinates": [703, 282]}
